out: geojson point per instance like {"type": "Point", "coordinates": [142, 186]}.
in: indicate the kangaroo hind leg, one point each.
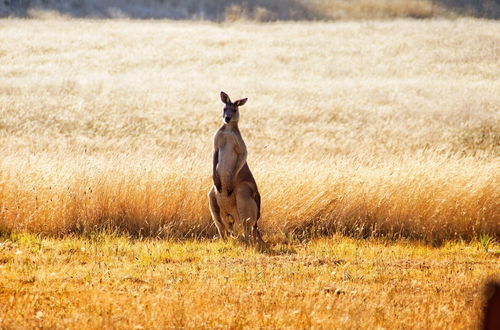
{"type": "Point", "coordinates": [248, 213]}
{"type": "Point", "coordinates": [215, 212]}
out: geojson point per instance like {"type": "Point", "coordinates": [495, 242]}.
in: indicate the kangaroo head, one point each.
{"type": "Point", "coordinates": [231, 113]}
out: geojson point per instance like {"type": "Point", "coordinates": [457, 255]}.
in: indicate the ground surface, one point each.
{"type": "Point", "coordinates": [108, 281]}
{"type": "Point", "coordinates": [385, 130]}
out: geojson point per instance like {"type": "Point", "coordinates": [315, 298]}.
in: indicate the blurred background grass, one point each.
{"type": "Point", "coordinates": [386, 128]}
{"type": "Point", "coordinates": [258, 10]}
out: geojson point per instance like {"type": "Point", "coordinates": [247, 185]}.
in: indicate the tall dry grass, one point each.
{"type": "Point", "coordinates": [367, 128]}
{"type": "Point", "coordinates": [431, 199]}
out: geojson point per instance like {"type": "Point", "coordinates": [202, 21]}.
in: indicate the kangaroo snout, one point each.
{"type": "Point", "coordinates": [227, 119]}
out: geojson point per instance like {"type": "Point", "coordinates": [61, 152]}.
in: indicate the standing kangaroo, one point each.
{"type": "Point", "coordinates": [234, 196]}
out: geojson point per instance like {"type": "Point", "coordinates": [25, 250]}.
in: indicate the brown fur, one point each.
{"type": "Point", "coordinates": [491, 318]}
{"type": "Point", "coordinates": [234, 196]}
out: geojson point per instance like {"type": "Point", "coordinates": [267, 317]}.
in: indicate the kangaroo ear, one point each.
{"type": "Point", "coordinates": [241, 102]}
{"type": "Point", "coordinates": [225, 98]}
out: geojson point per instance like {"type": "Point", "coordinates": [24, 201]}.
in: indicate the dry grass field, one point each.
{"type": "Point", "coordinates": [110, 282]}
{"type": "Point", "coordinates": [366, 128]}
{"type": "Point", "coordinates": [387, 132]}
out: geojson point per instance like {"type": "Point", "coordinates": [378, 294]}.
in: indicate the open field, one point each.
{"type": "Point", "coordinates": [115, 282]}
{"type": "Point", "coordinates": [387, 132]}
{"type": "Point", "coordinates": [361, 128]}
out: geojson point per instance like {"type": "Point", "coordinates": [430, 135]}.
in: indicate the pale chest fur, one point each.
{"type": "Point", "coordinates": [230, 145]}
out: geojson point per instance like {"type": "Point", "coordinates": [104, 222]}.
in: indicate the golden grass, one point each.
{"type": "Point", "coordinates": [362, 128]}
{"type": "Point", "coordinates": [115, 282]}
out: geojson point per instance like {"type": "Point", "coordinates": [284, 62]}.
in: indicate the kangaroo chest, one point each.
{"type": "Point", "coordinates": [230, 146]}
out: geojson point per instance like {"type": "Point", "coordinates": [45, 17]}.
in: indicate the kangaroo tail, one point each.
{"type": "Point", "coordinates": [256, 197]}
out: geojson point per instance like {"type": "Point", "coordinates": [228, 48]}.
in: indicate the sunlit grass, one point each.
{"type": "Point", "coordinates": [385, 132]}
{"type": "Point", "coordinates": [388, 129]}
{"type": "Point", "coordinates": [106, 280]}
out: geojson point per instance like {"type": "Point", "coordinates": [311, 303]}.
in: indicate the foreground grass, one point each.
{"type": "Point", "coordinates": [114, 281]}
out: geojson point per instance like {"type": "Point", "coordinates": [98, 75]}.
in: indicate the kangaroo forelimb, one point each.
{"type": "Point", "coordinates": [215, 175]}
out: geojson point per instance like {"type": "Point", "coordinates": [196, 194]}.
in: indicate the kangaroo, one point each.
{"type": "Point", "coordinates": [234, 197]}
{"type": "Point", "coordinates": [491, 317]}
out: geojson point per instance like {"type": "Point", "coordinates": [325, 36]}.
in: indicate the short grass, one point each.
{"type": "Point", "coordinates": [110, 281]}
